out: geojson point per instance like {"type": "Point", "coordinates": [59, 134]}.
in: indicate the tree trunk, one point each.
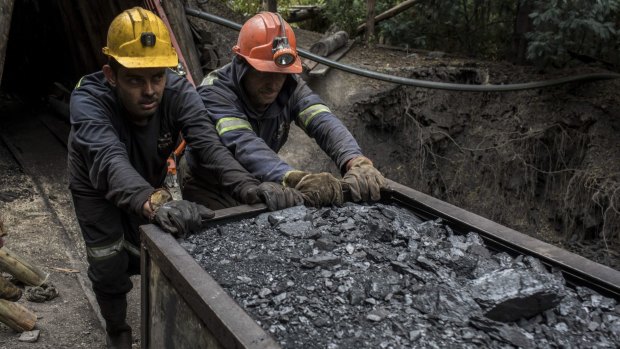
{"type": "Point", "coordinates": [16, 316]}
{"type": "Point", "coordinates": [20, 269]}
{"type": "Point", "coordinates": [370, 22]}
{"type": "Point", "coordinates": [270, 5]}
{"type": "Point", "coordinates": [388, 14]}
{"type": "Point", "coordinates": [6, 10]}
{"type": "Point", "coordinates": [523, 24]}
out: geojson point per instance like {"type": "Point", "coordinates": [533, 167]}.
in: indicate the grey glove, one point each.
{"type": "Point", "coordinates": [318, 189]}
{"type": "Point", "coordinates": [364, 180]}
{"type": "Point", "coordinates": [248, 194]}
{"type": "Point", "coordinates": [181, 217]}
{"type": "Point", "coordinates": [278, 197]}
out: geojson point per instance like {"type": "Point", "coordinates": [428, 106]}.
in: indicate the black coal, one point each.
{"type": "Point", "coordinates": [379, 277]}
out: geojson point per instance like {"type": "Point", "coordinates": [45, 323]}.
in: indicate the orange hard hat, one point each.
{"type": "Point", "coordinates": [268, 44]}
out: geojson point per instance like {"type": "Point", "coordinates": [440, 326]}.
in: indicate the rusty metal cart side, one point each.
{"type": "Point", "coordinates": [183, 307]}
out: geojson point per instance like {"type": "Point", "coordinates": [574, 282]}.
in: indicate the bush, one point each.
{"type": "Point", "coordinates": [571, 28]}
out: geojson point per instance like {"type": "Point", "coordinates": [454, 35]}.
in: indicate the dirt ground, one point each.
{"type": "Point", "coordinates": [544, 162]}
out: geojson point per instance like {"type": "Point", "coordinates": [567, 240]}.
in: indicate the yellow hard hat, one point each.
{"type": "Point", "coordinates": [137, 38]}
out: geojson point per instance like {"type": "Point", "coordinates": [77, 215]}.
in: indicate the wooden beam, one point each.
{"type": "Point", "coordinates": [16, 316]}
{"type": "Point", "coordinates": [175, 12]}
{"type": "Point", "coordinates": [6, 11]}
{"type": "Point", "coordinates": [20, 269]}
{"type": "Point", "coordinates": [389, 13]}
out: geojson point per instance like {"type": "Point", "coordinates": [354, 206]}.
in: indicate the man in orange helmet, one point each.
{"type": "Point", "coordinates": [125, 122]}
{"type": "Point", "coordinates": [254, 99]}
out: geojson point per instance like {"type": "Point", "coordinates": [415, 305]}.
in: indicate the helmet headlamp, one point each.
{"type": "Point", "coordinates": [283, 54]}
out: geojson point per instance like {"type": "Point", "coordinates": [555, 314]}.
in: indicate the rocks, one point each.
{"type": "Point", "coordinates": [29, 336]}
{"type": "Point", "coordinates": [378, 277]}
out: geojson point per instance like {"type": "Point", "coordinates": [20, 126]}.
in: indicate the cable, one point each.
{"type": "Point", "coordinates": [415, 82]}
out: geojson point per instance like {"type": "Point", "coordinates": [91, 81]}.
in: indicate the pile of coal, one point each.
{"type": "Point", "coordinates": [379, 277]}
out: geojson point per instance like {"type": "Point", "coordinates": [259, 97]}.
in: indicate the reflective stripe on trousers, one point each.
{"type": "Point", "coordinates": [103, 252]}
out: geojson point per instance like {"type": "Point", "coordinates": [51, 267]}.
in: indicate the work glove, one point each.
{"type": "Point", "coordinates": [317, 189]}
{"type": "Point", "coordinates": [363, 180]}
{"type": "Point", "coordinates": [278, 197]}
{"type": "Point", "coordinates": [177, 217]}
{"type": "Point", "coordinates": [248, 194]}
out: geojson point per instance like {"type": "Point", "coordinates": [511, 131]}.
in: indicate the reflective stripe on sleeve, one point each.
{"type": "Point", "coordinates": [79, 83]}
{"type": "Point", "coordinates": [306, 115]}
{"type": "Point", "coordinates": [230, 124]}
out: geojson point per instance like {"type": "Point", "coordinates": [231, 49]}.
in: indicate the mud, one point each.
{"type": "Point", "coordinates": [544, 162]}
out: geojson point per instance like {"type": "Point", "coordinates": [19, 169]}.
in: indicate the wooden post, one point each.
{"type": "Point", "coordinates": [270, 5]}
{"type": "Point", "coordinates": [6, 10]}
{"type": "Point", "coordinates": [175, 12]}
{"type": "Point", "coordinates": [522, 25]}
{"type": "Point", "coordinates": [20, 269]}
{"type": "Point", "coordinates": [370, 22]}
{"type": "Point", "coordinates": [388, 14]}
{"type": "Point", "coordinates": [16, 316]}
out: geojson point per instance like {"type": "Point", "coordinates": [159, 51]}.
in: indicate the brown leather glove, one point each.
{"type": "Point", "coordinates": [278, 197]}
{"type": "Point", "coordinates": [364, 180]}
{"type": "Point", "coordinates": [318, 189]}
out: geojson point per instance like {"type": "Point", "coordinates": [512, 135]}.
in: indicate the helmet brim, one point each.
{"type": "Point", "coordinates": [271, 66]}
{"type": "Point", "coordinates": [148, 62]}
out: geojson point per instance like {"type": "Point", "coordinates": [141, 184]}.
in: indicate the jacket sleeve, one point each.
{"type": "Point", "coordinates": [237, 134]}
{"type": "Point", "coordinates": [210, 155]}
{"type": "Point", "coordinates": [104, 155]}
{"type": "Point", "coordinates": [317, 120]}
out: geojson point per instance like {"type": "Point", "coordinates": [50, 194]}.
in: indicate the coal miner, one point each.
{"type": "Point", "coordinates": [125, 122]}
{"type": "Point", "coordinates": [253, 100]}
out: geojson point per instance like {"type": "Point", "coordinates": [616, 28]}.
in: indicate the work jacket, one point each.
{"type": "Point", "coordinates": [112, 157]}
{"type": "Point", "coordinates": [255, 138]}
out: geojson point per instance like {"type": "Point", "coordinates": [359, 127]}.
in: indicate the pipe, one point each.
{"type": "Point", "coordinates": [415, 82]}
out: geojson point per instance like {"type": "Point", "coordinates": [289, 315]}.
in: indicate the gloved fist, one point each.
{"type": "Point", "coordinates": [318, 189]}
{"type": "Point", "coordinates": [278, 197]}
{"type": "Point", "coordinates": [248, 194]}
{"type": "Point", "coordinates": [364, 180]}
{"type": "Point", "coordinates": [181, 217]}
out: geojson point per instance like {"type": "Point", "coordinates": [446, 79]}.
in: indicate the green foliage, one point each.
{"type": "Point", "coordinates": [251, 7]}
{"type": "Point", "coordinates": [475, 27]}
{"type": "Point", "coordinates": [583, 27]}
{"type": "Point", "coordinates": [346, 14]}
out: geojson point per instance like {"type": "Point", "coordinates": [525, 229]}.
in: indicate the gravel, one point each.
{"type": "Point", "coordinates": [378, 276]}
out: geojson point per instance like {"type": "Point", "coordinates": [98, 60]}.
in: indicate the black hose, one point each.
{"type": "Point", "coordinates": [415, 82]}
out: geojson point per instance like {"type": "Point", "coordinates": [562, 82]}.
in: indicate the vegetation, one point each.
{"type": "Point", "coordinates": [565, 29]}
{"type": "Point", "coordinates": [542, 31]}
{"type": "Point", "coordinates": [250, 7]}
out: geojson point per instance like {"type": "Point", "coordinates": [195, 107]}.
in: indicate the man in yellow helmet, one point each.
{"type": "Point", "coordinates": [125, 122]}
{"type": "Point", "coordinates": [254, 100]}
